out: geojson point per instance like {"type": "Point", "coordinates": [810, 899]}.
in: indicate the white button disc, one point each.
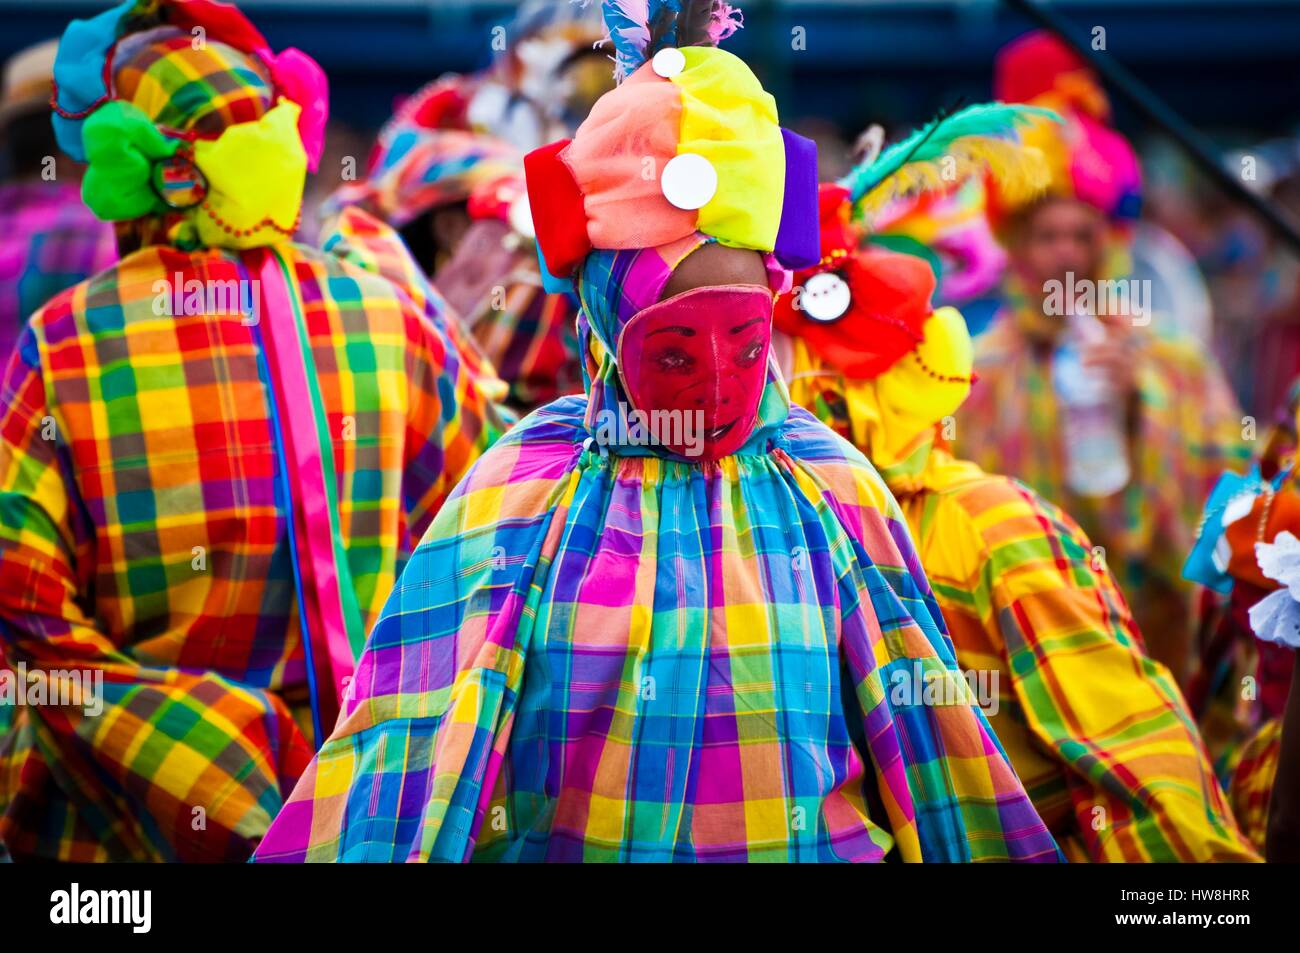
{"type": "Point", "coordinates": [689, 181]}
{"type": "Point", "coordinates": [825, 297]}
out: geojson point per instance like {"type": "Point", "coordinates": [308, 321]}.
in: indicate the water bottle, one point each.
{"type": "Point", "coordinates": [1092, 415]}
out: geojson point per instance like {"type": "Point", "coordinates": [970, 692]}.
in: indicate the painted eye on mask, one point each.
{"type": "Point", "coordinates": [750, 350]}
{"type": "Point", "coordinates": [751, 354]}
{"type": "Point", "coordinates": [673, 360]}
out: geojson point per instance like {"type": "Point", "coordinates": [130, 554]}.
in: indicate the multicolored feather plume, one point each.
{"type": "Point", "coordinates": [950, 149]}
{"type": "Point", "coordinates": [638, 29]}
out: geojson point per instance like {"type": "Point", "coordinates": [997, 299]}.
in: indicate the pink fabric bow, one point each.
{"type": "Point", "coordinates": [300, 78]}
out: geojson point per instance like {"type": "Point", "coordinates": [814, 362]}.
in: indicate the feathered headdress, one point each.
{"type": "Point", "coordinates": [638, 29]}
{"type": "Point", "coordinates": [863, 310]}
{"type": "Point", "coordinates": [975, 141]}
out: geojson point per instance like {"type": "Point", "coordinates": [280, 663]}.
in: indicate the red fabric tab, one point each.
{"type": "Point", "coordinates": [223, 22]}
{"type": "Point", "coordinates": [558, 213]}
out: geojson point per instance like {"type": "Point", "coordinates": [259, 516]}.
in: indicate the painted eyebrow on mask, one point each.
{"type": "Point", "coordinates": [740, 327]}
{"type": "Point", "coordinates": [675, 329]}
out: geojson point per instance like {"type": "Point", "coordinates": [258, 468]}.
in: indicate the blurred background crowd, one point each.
{"type": "Point", "coordinates": [837, 66]}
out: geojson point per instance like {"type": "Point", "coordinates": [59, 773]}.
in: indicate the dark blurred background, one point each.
{"type": "Point", "coordinates": [1233, 67]}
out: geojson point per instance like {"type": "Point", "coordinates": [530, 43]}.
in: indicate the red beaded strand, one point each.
{"type": "Point", "coordinates": [941, 378]}
{"type": "Point", "coordinates": [248, 232]}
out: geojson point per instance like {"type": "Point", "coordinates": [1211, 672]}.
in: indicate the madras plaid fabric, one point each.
{"type": "Point", "coordinates": [143, 540]}
{"type": "Point", "coordinates": [1097, 731]}
{"type": "Point", "coordinates": [205, 89]}
{"type": "Point", "coordinates": [49, 241]}
{"type": "Point", "coordinates": [532, 339]}
{"type": "Point", "coordinates": [1188, 433]}
{"type": "Point", "coordinates": [600, 657]}
{"type": "Point", "coordinates": [359, 238]}
{"type": "Point", "coordinates": [1252, 773]}
{"type": "Point", "coordinates": [414, 169]}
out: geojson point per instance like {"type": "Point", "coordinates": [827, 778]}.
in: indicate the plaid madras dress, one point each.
{"type": "Point", "coordinates": [143, 540]}
{"type": "Point", "coordinates": [1098, 732]}
{"type": "Point", "coordinates": [1188, 431]}
{"type": "Point", "coordinates": [49, 241]}
{"type": "Point", "coordinates": [604, 657]}
{"type": "Point", "coordinates": [1252, 772]}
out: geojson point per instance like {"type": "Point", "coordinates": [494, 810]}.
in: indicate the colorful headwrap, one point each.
{"type": "Point", "coordinates": [1088, 160]}
{"type": "Point", "coordinates": [686, 151]}
{"type": "Point", "coordinates": [415, 168]}
{"type": "Point", "coordinates": [181, 111]}
{"type": "Point", "coordinates": [689, 142]}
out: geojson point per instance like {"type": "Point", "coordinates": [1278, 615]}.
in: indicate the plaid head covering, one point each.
{"type": "Point", "coordinates": [414, 169]}
{"type": "Point", "coordinates": [203, 90]}
{"type": "Point", "coordinates": [188, 122]}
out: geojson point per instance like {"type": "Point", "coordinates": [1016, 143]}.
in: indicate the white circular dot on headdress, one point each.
{"type": "Point", "coordinates": [668, 62]}
{"type": "Point", "coordinates": [825, 297]}
{"type": "Point", "coordinates": [520, 217]}
{"type": "Point", "coordinates": [689, 181]}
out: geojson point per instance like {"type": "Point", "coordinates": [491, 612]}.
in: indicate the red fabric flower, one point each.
{"type": "Point", "coordinates": [889, 298]}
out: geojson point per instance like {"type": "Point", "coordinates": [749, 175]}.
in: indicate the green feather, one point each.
{"type": "Point", "coordinates": [932, 140]}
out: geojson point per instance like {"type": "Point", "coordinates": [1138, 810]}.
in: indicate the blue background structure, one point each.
{"type": "Point", "coordinates": [1230, 67]}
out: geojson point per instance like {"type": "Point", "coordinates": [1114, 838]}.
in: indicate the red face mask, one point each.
{"type": "Point", "coordinates": [702, 356]}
